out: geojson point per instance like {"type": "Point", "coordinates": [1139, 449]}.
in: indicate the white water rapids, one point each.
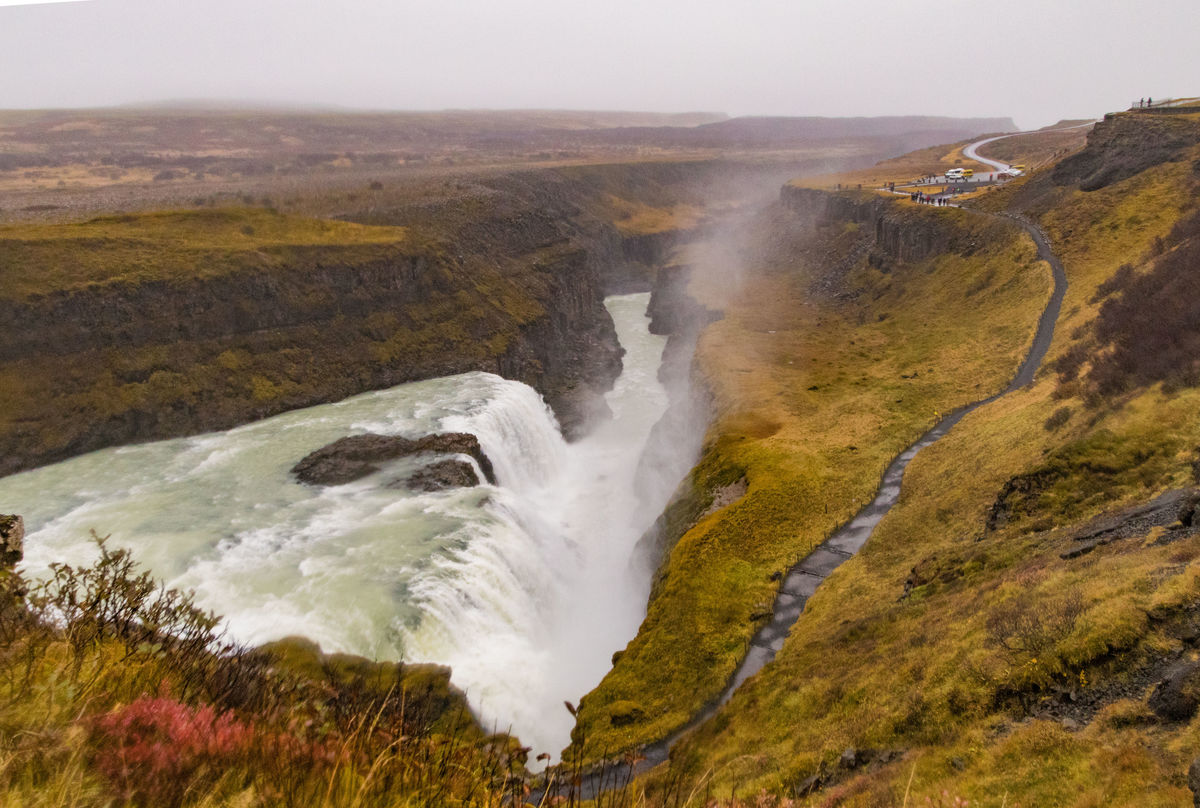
{"type": "Point", "coordinates": [523, 588]}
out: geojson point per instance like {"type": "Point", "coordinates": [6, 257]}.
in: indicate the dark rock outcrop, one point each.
{"type": "Point", "coordinates": [12, 540]}
{"type": "Point", "coordinates": [1177, 695]}
{"type": "Point", "coordinates": [672, 310]}
{"type": "Point", "coordinates": [354, 457]}
{"type": "Point", "coordinates": [1189, 510]}
{"type": "Point", "coordinates": [1122, 146]}
{"type": "Point", "coordinates": [903, 234]}
{"type": "Point", "coordinates": [441, 475]}
{"type": "Point", "coordinates": [642, 254]}
{"type": "Point", "coordinates": [673, 445]}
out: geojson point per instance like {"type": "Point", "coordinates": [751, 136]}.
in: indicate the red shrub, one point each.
{"type": "Point", "coordinates": [155, 749]}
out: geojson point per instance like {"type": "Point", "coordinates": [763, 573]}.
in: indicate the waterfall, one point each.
{"type": "Point", "coordinates": [522, 587]}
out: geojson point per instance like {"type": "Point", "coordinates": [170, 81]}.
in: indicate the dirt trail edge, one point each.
{"type": "Point", "coordinates": [802, 580]}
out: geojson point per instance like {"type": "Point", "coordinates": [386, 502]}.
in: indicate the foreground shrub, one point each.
{"type": "Point", "coordinates": [155, 750]}
{"type": "Point", "coordinates": [117, 691]}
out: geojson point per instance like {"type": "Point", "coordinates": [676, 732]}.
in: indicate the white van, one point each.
{"type": "Point", "coordinates": [956, 174]}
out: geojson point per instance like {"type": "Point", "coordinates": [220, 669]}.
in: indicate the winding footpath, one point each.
{"type": "Point", "coordinates": [802, 580]}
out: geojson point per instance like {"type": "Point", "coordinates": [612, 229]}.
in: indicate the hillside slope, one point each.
{"type": "Point", "coordinates": [1022, 626]}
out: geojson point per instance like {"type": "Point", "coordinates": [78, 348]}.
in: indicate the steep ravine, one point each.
{"type": "Point", "coordinates": [895, 236]}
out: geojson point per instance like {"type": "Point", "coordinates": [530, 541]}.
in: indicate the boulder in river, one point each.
{"type": "Point", "coordinates": [354, 457]}
{"type": "Point", "coordinates": [448, 473]}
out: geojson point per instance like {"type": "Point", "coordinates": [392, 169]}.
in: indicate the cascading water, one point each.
{"type": "Point", "coordinates": [523, 588]}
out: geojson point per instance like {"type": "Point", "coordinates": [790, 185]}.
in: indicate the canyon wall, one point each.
{"type": "Point", "coordinates": [505, 274]}
{"type": "Point", "coordinates": [901, 233]}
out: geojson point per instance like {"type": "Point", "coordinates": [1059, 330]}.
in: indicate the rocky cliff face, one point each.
{"type": "Point", "coordinates": [641, 255]}
{"type": "Point", "coordinates": [126, 315]}
{"type": "Point", "coordinates": [112, 364]}
{"type": "Point", "coordinates": [900, 234]}
{"type": "Point", "coordinates": [1125, 144]}
{"type": "Point", "coordinates": [675, 441]}
{"type": "Point", "coordinates": [12, 540]}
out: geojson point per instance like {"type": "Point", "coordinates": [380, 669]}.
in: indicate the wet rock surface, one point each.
{"type": "Point", "coordinates": [354, 457]}
{"type": "Point", "coordinates": [12, 540]}
{"type": "Point", "coordinates": [672, 310]}
{"type": "Point", "coordinates": [441, 475]}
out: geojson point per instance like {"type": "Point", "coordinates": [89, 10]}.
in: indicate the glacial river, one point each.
{"type": "Point", "coordinates": [523, 588]}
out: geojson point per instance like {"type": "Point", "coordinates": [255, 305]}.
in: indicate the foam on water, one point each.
{"type": "Point", "coordinates": [523, 587]}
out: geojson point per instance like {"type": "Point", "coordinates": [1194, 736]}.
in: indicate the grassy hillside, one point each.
{"type": "Point", "coordinates": [1002, 637]}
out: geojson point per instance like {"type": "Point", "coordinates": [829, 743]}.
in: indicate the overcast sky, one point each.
{"type": "Point", "coordinates": [1035, 60]}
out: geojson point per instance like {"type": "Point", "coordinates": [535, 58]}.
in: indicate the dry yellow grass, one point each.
{"type": "Point", "coordinates": [38, 258]}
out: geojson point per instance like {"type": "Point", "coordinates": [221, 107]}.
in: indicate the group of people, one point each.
{"type": "Point", "coordinates": [1146, 102]}
{"type": "Point", "coordinates": [927, 199]}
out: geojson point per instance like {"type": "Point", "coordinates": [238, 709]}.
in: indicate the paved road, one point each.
{"type": "Point", "coordinates": [971, 152]}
